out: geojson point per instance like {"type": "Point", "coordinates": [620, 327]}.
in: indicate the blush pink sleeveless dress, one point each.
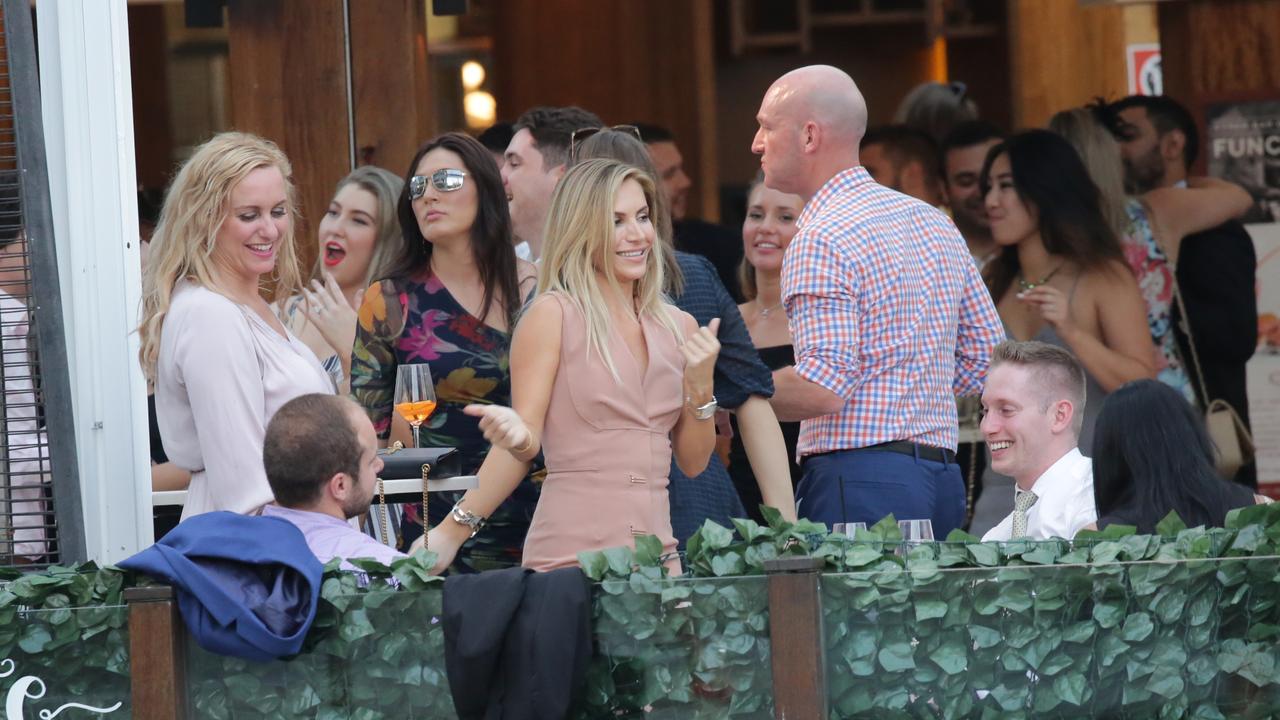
{"type": "Point", "coordinates": [607, 447]}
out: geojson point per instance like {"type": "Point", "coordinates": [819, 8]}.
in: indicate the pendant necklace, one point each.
{"type": "Point", "coordinates": [1028, 286]}
{"type": "Point", "coordinates": [765, 312]}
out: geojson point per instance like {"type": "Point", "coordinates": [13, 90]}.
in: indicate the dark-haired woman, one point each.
{"type": "Point", "coordinates": [451, 303]}
{"type": "Point", "coordinates": [1060, 276]}
{"type": "Point", "coordinates": [1152, 455]}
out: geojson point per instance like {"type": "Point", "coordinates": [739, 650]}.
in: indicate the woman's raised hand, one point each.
{"type": "Point", "coordinates": [502, 426]}
{"type": "Point", "coordinates": [329, 312]}
{"type": "Point", "coordinates": [700, 351]}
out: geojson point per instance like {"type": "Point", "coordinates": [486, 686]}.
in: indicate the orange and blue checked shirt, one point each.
{"type": "Point", "coordinates": [888, 311]}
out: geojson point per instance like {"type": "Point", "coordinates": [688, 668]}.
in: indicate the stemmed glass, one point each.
{"type": "Point", "coordinates": [848, 529]}
{"type": "Point", "coordinates": [415, 397]}
{"type": "Point", "coordinates": [915, 532]}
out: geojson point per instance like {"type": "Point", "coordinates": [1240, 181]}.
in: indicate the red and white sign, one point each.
{"type": "Point", "coordinates": [1145, 76]}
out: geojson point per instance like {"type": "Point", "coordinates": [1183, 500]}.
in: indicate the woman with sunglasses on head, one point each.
{"type": "Point", "coordinates": [451, 302]}
{"type": "Point", "coordinates": [608, 381]}
{"type": "Point", "coordinates": [359, 241]}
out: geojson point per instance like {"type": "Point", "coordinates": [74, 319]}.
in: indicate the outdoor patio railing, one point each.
{"type": "Point", "coordinates": [798, 624]}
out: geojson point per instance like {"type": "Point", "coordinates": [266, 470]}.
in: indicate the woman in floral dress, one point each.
{"type": "Point", "coordinates": [450, 304]}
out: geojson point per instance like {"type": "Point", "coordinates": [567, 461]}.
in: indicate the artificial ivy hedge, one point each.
{"type": "Point", "coordinates": [1112, 625]}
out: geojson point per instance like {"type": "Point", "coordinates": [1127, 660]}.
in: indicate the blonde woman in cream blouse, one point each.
{"type": "Point", "coordinates": [222, 362]}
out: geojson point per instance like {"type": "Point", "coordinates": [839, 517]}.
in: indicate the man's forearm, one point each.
{"type": "Point", "coordinates": [795, 398]}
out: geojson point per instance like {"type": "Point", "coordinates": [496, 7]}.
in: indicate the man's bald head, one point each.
{"type": "Point", "coordinates": [811, 122]}
{"type": "Point", "coordinates": [825, 95]}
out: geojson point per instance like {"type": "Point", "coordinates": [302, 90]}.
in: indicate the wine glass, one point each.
{"type": "Point", "coordinates": [916, 531]}
{"type": "Point", "coordinates": [415, 397]}
{"type": "Point", "coordinates": [848, 530]}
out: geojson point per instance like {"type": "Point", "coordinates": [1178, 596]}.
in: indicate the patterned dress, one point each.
{"type": "Point", "coordinates": [418, 321]}
{"type": "Point", "coordinates": [1155, 281]}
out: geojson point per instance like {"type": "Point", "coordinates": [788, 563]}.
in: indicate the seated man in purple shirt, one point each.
{"type": "Point", "coordinates": [321, 457]}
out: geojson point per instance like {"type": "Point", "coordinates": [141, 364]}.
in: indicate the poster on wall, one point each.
{"type": "Point", "coordinates": [1243, 146]}
{"type": "Point", "coordinates": [1145, 74]}
{"type": "Point", "coordinates": [1263, 371]}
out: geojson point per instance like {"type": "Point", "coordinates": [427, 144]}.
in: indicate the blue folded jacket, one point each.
{"type": "Point", "coordinates": [247, 586]}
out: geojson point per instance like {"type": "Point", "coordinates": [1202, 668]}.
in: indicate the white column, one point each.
{"type": "Point", "coordinates": [88, 124]}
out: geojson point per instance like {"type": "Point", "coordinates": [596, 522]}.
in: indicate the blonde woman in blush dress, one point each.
{"type": "Point", "coordinates": [221, 360]}
{"type": "Point", "coordinates": [608, 381]}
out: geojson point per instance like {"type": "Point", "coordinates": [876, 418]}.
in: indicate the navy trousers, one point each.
{"type": "Point", "coordinates": [865, 485]}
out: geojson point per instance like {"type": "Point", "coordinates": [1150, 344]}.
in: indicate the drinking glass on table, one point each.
{"type": "Point", "coordinates": [916, 531]}
{"type": "Point", "coordinates": [848, 530]}
{"type": "Point", "coordinates": [415, 397]}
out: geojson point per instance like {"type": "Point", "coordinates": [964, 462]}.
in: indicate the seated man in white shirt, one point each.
{"type": "Point", "coordinates": [1033, 404]}
{"type": "Point", "coordinates": [321, 458]}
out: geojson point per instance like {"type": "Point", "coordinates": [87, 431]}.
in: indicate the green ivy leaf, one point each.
{"type": "Point", "coordinates": [620, 560]}
{"type": "Point", "coordinates": [749, 530]}
{"type": "Point", "coordinates": [1072, 688]}
{"type": "Point", "coordinates": [715, 537]}
{"type": "Point", "coordinates": [1137, 627]}
{"type": "Point", "coordinates": [1171, 525]}
{"type": "Point", "coordinates": [896, 657]}
{"type": "Point", "coordinates": [930, 609]}
{"type": "Point", "coordinates": [984, 554]}
{"type": "Point", "coordinates": [773, 518]}
{"type": "Point", "coordinates": [648, 551]}
{"type": "Point", "coordinates": [952, 657]}
{"type": "Point", "coordinates": [34, 637]}
{"type": "Point", "coordinates": [728, 564]}
{"type": "Point", "coordinates": [1166, 684]}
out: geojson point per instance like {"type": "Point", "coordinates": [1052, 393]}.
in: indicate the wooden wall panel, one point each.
{"type": "Point", "coordinates": [1225, 49]}
{"type": "Point", "coordinates": [288, 83]}
{"type": "Point", "coordinates": [624, 60]}
{"type": "Point", "coordinates": [1223, 46]}
{"type": "Point", "coordinates": [153, 137]}
{"type": "Point", "coordinates": [1063, 55]}
{"type": "Point", "coordinates": [389, 74]}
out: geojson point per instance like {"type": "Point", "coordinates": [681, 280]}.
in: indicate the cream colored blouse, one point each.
{"type": "Point", "coordinates": [222, 373]}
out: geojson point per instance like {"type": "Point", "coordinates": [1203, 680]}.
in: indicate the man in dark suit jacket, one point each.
{"type": "Point", "coordinates": [1216, 269]}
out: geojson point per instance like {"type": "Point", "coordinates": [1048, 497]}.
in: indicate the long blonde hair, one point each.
{"type": "Point", "coordinates": [1101, 155]}
{"type": "Point", "coordinates": [614, 145]}
{"type": "Point", "coordinates": [385, 187]}
{"type": "Point", "coordinates": [579, 239]}
{"type": "Point", "coordinates": [194, 210]}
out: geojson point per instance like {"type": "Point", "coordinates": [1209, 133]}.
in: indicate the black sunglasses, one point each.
{"type": "Point", "coordinates": [447, 180]}
{"type": "Point", "coordinates": [582, 134]}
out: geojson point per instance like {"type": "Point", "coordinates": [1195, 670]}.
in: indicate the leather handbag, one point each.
{"type": "Point", "coordinates": [1226, 429]}
{"type": "Point", "coordinates": [402, 463]}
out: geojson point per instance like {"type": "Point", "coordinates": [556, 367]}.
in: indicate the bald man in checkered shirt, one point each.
{"type": "Point", "coordinates": [889, 317]}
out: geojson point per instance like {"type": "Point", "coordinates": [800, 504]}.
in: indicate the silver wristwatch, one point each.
{"type": "Point", "coordinates": [705, 412]}
{"type": "Point", "coordinates": [467, 518]}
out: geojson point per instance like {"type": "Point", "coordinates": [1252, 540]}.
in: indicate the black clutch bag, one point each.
{"type": "Point", "coordinates": [402, 463]}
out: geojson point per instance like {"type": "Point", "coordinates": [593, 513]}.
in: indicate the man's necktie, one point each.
{"type": "Point", "coordinates": [1021, 504]}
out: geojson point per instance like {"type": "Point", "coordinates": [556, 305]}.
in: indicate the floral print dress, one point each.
{"type": "Point", "coordinates": [1155, 281]}
{"type": "Point", "coordinates": [418, 321]}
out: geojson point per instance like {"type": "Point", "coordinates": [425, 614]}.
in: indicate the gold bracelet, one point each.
{"type": "Point", "coordinates": [527, 446]}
